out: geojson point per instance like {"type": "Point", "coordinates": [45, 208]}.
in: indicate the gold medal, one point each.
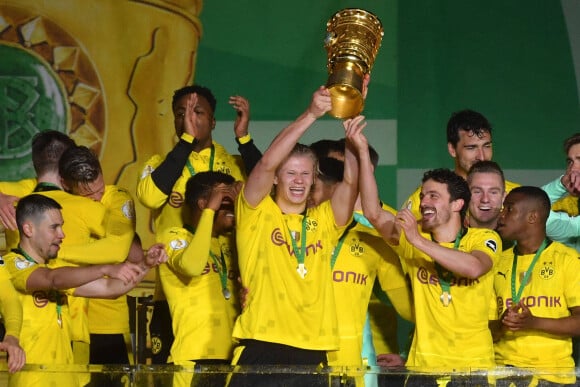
{"type": "Point", "coordinates": [445, 298]}
{"type": "Point", "coordinates": [301, 269]}
{"type": "Point", "coordinates": [59, 320]}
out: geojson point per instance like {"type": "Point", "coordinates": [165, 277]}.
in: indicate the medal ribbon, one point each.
{"type": "Point", "coordinates": [222, 270]}
{"type": "Point", "coordinates": [211, 158]}
{"type": "Point", "coordinates": [445, 275]}
{"type": "Point", "coordinates": [220, 263]}
{"type": "Point", "coordinates": [516, 296]}
{"type": "Point", "coordinates": [336, 250]}
{"type": "Point", "coordinates": [299, 253]}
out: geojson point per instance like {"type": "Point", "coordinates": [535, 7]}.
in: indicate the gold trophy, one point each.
{"type": "Point", "coordinates": [352, 41]}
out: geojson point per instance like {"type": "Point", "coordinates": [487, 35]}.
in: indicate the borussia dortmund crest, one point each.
{"type": "Point", "coordinates": [356, 248]}
{"type": "Point", "coordinates": [311, 224]}
{"type": "Point", "coordinates": [547, 270]}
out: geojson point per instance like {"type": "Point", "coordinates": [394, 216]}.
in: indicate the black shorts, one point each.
{"type": "Point", "coordinates": [256, 353]}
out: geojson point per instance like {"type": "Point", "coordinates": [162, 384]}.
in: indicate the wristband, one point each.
{"type": "Point", "coordinates": [187, 137]}
{"type": "Point", "coordinates": [244, 139]}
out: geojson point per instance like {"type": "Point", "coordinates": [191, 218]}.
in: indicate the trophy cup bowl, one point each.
{"type": "Point", "coordinates": [353, 38]}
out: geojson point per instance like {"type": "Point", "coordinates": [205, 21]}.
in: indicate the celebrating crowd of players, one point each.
{"type": "Point", "coordinates": [270, 259]}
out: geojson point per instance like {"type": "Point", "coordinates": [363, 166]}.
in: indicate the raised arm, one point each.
{"type": "Point", "coordinates": [157, 179]}
{"type": "Point", "coordinates": [261, 178]}
{"type": "Point", "coordinates": [248, 150]}
{"type": "Point", "coordinates": [382, 220]}
{"type": "Point", "coordinates": [345, 194]}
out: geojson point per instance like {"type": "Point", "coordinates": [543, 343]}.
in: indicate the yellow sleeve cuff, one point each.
{"type": "Point", "coordinates": [244, 139]}
{"type": "Point", "coordinates": [187, 137]}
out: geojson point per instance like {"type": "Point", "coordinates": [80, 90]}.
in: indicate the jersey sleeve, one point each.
{"type": "Point", "coordinates": [148, 193]}
{"type": "Point", "coordinates": [114, 246]}
{"type": "Point", "coordinates": [17, 188]}
{"type": "Point", "coordinates": [189, 259]}
{"type": "Point", "coordinates": [488, 242]}
{"type": "Point", "coordinates": [10, 306]}
{"type": "Point", "coordinates": [159, 175]}
{"type": "Point", "coordinates": [555, 190]}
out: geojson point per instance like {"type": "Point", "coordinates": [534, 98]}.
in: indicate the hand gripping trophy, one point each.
{"type": "Point", "coordinates": [352, 41]}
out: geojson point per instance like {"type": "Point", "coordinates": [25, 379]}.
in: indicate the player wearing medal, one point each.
{"type": "Point", "coordinates": [200, 276]}
{"type": "Point", "coordinates": [450, 271]}
{"type": "Point", "coordinates": [161, 186]}
{"type": "Point", "coordinates": [537, 284]}
{"type": "Point", "coordinates": [359, 258]}
{"type": "Point", "coordinates": [468, 141]}
{"type": "Point", "coordinates": [46, 329]}
{"type": "Point", "coordinates": [284, 251]}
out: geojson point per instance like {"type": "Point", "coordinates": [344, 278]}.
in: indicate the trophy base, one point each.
{"type": "Point", "coordinates": [347, 102]}
{"type": "Point", "coordinates": [345, 86]}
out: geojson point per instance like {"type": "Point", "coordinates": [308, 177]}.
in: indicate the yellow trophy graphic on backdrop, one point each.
{"type": "Point", "coordinates": [352, 42]}
{"type": "Point", "coordinates": [106, 80]}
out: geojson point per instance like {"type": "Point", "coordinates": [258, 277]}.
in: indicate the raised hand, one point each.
{"type": "Point", "coordinates": [353, 129]}
{"type": "Point", "coordinates": [571, 181]}
{"type": "Point", "coordinates": [190, 119]}
{"type": "Point", "coordinates": [407, 222]}
{"type": "Point", "coordinates": [8, 211]}
{"type": "Point", "coordinates": [219, 193]}
{"type": "Point", "coordinates": [242, 107]}
{"type": "Point", "coordinates": [320, 103]}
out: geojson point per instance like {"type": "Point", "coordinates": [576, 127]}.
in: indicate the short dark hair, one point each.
{"type": "Point", "coordinates": [322, 148]}
{"type": "Point", "coordinates": [330, 170]}
{"type": "Point", "coordinates": [33, 207]}
{"type": "Point", "coordinates": [79, 165]}
{"type": "Point", "coordinates": [537, 197]}
{"type": "Point", "coordinates": [201, 184]}
{"type": "Point", "coordinates": [47, 148]}
{"type": "Point", "coordinates": [197, 89]}
{"type": "Point", "coordinates": [571, 141]}
{"type": "Point", "coordinates": [485, 166]}
{"type": "Point", "coordinates": [456, 185]}
{"type": "Point", "coordinates": [468, 121]}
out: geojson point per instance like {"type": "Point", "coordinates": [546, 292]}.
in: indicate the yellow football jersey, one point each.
{"type": "Point", "coordinates": [20, 189]}
{"type": "Point", "coordinates": [552, 288]}
{"type": "Point", "coordinates": [362, 255]}
{"type": "Point", "coordinates": [9, 304]}
{"type": "Point", "coordinates": [169, 206]}
{"type": "Point", "coordinates": [110, 316]}
{"type": "Point", "coordinates": [456, 335]}
{"type": "Point", "coordinates": [83, 218]}
{"type": "Point", "coordinates": [203, 318]}
{"type": "Point", "coordinates": [282, 307]}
